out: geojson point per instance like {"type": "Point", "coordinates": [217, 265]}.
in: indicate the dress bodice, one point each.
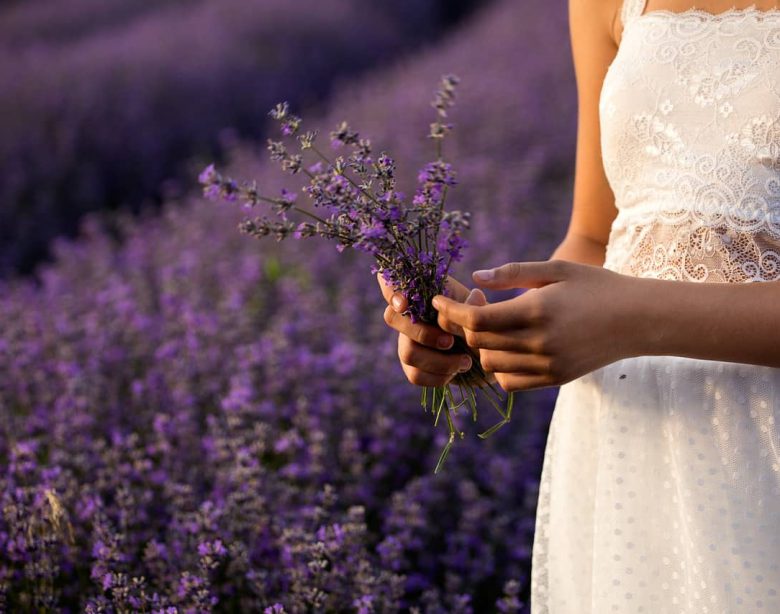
{"type": "Point", "coordinates": [690, 138]}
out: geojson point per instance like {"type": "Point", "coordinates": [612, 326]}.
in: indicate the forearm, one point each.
{"type": "Point", "coordinates": [711, 321]}
{"type": "Point", "coordinates": [577, 248]}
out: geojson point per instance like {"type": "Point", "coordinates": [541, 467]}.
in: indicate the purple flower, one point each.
{"type": "Point", "coordinates": [211, 549]}
{"type": "Point", "coordinates": [374, 231]}
{"type": "Point", "coordinates": [289, 197]}
{"type": "Point", "coordinates": [364, 604]}
{"type": "Point", "coordinates": [208, 175]}
{"type": "Point", "coordinates": [107, 581]}
{"type": "Point", "coordinates": [212, 192]}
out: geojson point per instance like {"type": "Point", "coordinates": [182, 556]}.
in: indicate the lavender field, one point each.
{"type": "Point", "coordinates": [195, 421]}
{"type": "Point", "coordinates": [103, 104]}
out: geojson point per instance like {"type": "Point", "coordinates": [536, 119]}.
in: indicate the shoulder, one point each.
{"type": "Point", "coordinates": [597, 19]}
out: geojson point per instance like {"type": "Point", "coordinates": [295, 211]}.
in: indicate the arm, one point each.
{"type": "Point", "coordinates": [578, 248]}
{"type": "Point", "coordinates": [729, 322]}
{"type": "Point", "coordinates": [591, 26]}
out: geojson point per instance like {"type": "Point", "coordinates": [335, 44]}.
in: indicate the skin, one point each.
{"type": "Point", "coordinates": [422, 347]}
{"type": "Point", "coordinates": [575, 316]}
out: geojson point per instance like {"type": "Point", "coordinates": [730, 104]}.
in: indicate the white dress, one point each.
{"type": "Point", "coordinates": [660, 490]}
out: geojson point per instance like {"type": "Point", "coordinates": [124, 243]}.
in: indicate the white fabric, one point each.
{"type": "Point", "coordinates": [660, 491]}
{"type": "Point", "coordinates": [630, 10]}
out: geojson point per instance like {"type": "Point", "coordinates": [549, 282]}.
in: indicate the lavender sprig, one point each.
{"type": "Point", "coordinates": [355, 202]}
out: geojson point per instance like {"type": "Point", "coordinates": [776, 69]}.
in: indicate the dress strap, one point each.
{"type": "Point", "coordinates": [631, 9]}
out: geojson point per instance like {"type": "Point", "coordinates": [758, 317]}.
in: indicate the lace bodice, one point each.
{"type": "Point", "coordinates": [690, 137]}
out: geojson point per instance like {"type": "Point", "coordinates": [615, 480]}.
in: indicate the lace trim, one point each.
{"type": "Point", "coordinates": [701, 14]}
{"type": "Point", "coordinates": [631, 9]}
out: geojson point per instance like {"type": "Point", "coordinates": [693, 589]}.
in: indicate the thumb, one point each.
{"type": "Point", "coordinates": [522, 275]}
{"type": "Point", "coordinates": [476, 297]}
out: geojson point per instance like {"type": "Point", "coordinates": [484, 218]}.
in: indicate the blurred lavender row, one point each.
{"type": "Point", "coordinates": [103, 103]}
{"type": "Point", "coordinates": [193, 421]}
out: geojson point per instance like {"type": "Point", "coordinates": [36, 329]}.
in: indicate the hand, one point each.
{"type": "Point", "coordinates": [422, 347]}
{"type": "Point", "coordinates": [574, 319]}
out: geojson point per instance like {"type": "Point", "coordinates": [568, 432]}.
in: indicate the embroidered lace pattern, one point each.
{"type": "Point", "coordinates": [690, 136]}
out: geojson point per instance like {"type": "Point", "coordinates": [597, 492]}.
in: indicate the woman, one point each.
{"type": "Point", "coordinates": [660, 490]}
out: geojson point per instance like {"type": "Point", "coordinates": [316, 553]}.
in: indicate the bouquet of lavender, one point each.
{"type": "Point", "coordinates": [355, 203]}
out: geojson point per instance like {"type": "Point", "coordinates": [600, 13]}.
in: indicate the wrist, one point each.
{"type": "Point", "coordinates": [576, 248]}
{"type": "Point", "coordinates": [645, 322]}
{"type": "Point", "coordinates": [731, 322]}
{"type": "Point", "coordinates": [667, 317]}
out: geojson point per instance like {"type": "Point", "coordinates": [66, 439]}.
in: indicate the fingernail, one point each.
{"type": "Point", "coordinates": [445, 342]}
{"type": "Point", "coordinates": [484, 275]}
{"type": "Point", "coordinates": [465, 364]}
{"type": "Point", "coordinates": [397, 302]}
{"type": "Point", "coordinates": [435, 303]}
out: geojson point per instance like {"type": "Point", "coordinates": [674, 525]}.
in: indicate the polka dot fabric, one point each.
{"type": "Point", "coordinates": [660, 491]}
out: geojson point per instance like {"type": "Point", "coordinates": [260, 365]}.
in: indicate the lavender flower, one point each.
{"type": "Point", "coordinates": [413, 243]}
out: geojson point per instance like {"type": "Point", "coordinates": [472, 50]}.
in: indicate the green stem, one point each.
{"type": "Point", "coordinates": [444, 453]}
{"type": "Point", "coordinates": [313, 216]}
{"type": "Point", "coordinates": [442, 404]}
{"type": "Point", "coordinates": [506, 420]}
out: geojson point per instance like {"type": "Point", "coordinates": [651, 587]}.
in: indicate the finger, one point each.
{"type": "Point", "coordinates": [513, 362]}
{"type": "Point", "coordinates": [522, 274]}
{"type": "Point", "coordinates": [387, 290]}
{"type": "Point", "coordinates": [424, 334]}
{"type": "Point", "coordinates": [513, 382]}
{"type": "Point", "coordinates": [476, 297]}
{"type": "Point", "coordinates": [520, 340]}
{"type": "Point", "coordinates": [396, 299]}
{"type": "Point", "coordinates": [430, 361]}
{"type": "Point", "coordinates": [421, 378]}
{"type": "Point", "coordinates": [455, 289]}
{"type": "Point", "coordinates": [495, 316]}
{"type": "Point", "coordinates": [399, 303]}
